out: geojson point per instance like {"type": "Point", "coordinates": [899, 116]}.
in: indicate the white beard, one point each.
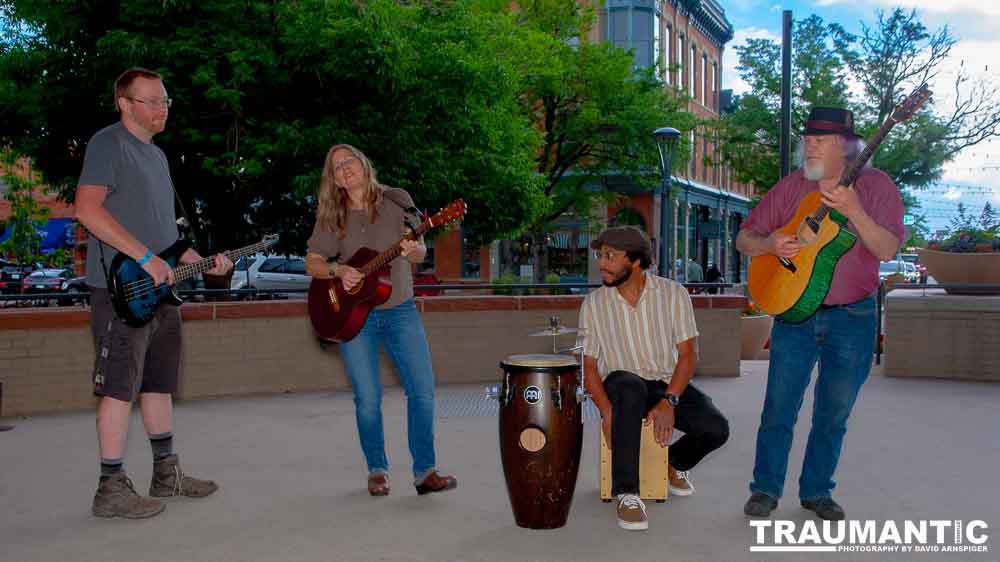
{"type": "Point", "coordinates": [814, 170]}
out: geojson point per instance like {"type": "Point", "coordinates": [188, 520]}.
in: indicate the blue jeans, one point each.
{"type": "Point", "coordinates": [401, 330]}
{"type": "Point", "coordinates": [842, 339]}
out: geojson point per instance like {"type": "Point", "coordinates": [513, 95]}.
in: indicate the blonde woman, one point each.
{"type": "Point", "coordinates": [356, 211]}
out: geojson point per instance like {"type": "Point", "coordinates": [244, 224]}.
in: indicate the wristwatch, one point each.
{"type": "Point", "coordinates": [671, 399]}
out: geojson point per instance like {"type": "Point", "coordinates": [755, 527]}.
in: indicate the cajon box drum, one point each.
{"type": "Point", "coordinates": [653, 483]}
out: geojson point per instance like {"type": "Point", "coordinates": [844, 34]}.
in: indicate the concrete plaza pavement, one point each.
{"type": "Point", "coordinates": [293, 483]}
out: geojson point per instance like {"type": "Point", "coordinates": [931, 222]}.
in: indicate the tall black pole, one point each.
{"type": "Point", "coordinates": [786, 92]}
{"type": "Point", "coordinates": [666, 140]}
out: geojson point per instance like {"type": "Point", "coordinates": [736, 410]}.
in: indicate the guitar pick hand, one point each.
{"type": "Point", "coordinates": [349, 276]}
{"type": "Point", "coordinates": [783, 245]}
{"type": "Point", "coordinates": [159, 271]}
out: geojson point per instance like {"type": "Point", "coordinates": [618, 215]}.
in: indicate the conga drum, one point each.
{"type": "Point", "coordinates": [541, 433]}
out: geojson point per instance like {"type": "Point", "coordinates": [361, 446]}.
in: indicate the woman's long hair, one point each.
{"type": "Point", "coordinates": [331, 213]}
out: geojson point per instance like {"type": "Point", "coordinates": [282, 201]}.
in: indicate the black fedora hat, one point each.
{"type": "Point", "coordinates": [830, 121]}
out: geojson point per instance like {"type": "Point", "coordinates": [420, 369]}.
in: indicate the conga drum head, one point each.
{"type": "Point", "coordinates": [539, 362]}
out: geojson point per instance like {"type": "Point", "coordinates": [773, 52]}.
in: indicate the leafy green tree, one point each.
{"type": "Point", "coordinates": [749, 136]}
{"type": "Point", "coordinates": [263, 89]}
{"type": "Point", "coordinates": [595, 111]}
{"type": "Point", "coordinates": [988, 218]}
{"type": "Point", "coordinates": [889, 59]}
{"type": "Point", "coordinates": [961, 221]}
{"type": "Point", "coordinates": [27, 218]}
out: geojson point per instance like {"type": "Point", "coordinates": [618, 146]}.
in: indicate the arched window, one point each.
{"type": "Point", "coordinates": [635, 24]}
{"type": "Point", "coordinates": [629, 216]}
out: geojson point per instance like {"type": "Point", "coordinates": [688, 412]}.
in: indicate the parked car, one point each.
{"type": "Point", "coordinates": [915, 260]}
{"type": "Point", "coordinates": [906, 269]}
{"type": "Point", "coordinates": [272, 273]}
{"type": "Point", "coordinates": [12, 276]}
{"type": "Point", "coordinates": [75, 286]}
{"type": "Point", "coordinates": [46, 280]}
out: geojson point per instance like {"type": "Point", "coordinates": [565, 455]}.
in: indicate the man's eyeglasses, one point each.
{"type": "Point", "coordinates": [610, 255]}
{"type": "Point", "coordinates": [157, 104]}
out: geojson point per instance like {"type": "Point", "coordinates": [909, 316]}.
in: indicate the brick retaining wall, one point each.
{"type": "Point", "coordinates": [46, 355]}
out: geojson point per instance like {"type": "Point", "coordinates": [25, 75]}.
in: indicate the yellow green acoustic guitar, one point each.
{"type": "Point", "coordinates": [793, 288]}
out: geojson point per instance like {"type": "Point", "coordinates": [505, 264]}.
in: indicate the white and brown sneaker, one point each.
{"type": "Point", "coordinates": [632, 513]}
{"type": "Point", "coordinates": [680, 482]}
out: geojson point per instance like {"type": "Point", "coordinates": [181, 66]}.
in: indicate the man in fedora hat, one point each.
{"type": "Point", "coordinates": [841, 336]}
{"type": "Point", "coordinates": [639, 352]}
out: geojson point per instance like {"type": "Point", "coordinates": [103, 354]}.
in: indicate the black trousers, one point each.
{"type": "Point", "coordinates": [632, 397]}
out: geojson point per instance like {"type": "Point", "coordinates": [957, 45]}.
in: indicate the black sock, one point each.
{"type": "Point", "coordinates": [110, 467]}
{"type": "Point", "coordinates": [162, 444]}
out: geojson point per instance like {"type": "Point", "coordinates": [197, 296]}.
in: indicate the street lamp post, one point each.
{"type": "Point", "coordinates": [666, 140]}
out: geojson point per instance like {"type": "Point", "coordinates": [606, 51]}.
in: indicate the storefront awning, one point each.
{"type": "Point", "coordinates": [55, 234]}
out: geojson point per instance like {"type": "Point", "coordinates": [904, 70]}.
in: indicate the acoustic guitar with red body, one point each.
{"type": "Point", "coordinates": [338, 314]}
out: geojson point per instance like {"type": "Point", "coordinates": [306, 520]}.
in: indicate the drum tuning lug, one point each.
{"type": "Point", "coordinates": [493, 391]}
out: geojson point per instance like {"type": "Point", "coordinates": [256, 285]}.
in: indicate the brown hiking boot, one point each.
{"type": "Point", "coordinates": [169, 480]}
{"type": "Point", "coordinates": [116, 497]}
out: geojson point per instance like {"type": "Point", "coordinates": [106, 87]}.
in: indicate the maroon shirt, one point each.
{"type": "Point", "coordinates": [856, 275]}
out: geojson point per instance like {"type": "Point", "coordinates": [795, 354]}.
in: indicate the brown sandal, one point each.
{"type": "Point", "coordinates": [378, 484]}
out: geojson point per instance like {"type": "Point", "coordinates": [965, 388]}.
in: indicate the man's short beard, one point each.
{"type": "Point", "coordinates": [814, 170]}
{"type": "Point", "coordinates": [619, 280]}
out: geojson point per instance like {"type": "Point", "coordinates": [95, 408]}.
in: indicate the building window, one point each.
{"type": "Point", "coordinates": [704, 77]}
{"type": "Point", "coordinates": [715, 86]}
{"type": "Point", "coordinates": [470, 256]}
{"type": "Point", "coordinates": [629, 216]}
{"type": "Point", "coordinates": [635, 26]}
{"type": "Point", "coordinates": [680, 60]}
{"type": "Point", "coordinates": [694, 155]}
{"type": "Point", "coordinates": [691, 71]}
{"type": "Point", "coordinates": [667, 54]}
{"type": "Point", "coordinates": [704, 154]}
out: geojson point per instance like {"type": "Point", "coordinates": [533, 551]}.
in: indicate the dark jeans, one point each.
{"type": "Point", "coordinates": [842, 340]}
{"type": "Point", "coordinates": [632, 397]}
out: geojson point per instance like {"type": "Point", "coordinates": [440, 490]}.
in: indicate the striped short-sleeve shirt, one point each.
{"type": "Point", "coordinates": [641, 339]}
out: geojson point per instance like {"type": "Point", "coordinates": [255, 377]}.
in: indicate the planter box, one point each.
{"type": "Point", "coordinates": [754, 331]}
{"type": "Point", "coordinates": [963, 268]}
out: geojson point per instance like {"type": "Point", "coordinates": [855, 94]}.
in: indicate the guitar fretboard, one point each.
{"type": "Point", "coordinates": [187, 271]}
{"type": "Point", "coordinates": [379, 261]}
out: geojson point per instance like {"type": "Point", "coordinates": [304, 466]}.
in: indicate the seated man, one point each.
{"type": "Point", "coordinates": [639, 352]}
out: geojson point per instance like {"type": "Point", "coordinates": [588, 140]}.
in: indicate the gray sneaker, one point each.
{"type": "Point", "coordinates": [760, 505]}
{"type": "Point", "coordinates": [169, 480]}
{"type": "Point", "coordinates": [116, 497]}
{"type": "Point", "coordinates": [825, 508]}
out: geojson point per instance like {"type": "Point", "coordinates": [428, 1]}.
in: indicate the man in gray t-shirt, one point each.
{"type": "Point", "coordinates": [125, 199]}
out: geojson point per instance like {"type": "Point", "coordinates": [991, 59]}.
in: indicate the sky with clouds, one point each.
{"type": "Point", "coordinates": [974, 176]}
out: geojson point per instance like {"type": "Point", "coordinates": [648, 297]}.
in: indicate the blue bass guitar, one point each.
{"type": "Point", "coordinates": [135, 297]}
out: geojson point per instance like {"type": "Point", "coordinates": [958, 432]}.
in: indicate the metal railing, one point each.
{"type": "Point", "coordinates": [260, 294]}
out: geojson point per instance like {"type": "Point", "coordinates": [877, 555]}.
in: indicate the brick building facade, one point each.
{"type": "Point", "coordinates": [686, 39]}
